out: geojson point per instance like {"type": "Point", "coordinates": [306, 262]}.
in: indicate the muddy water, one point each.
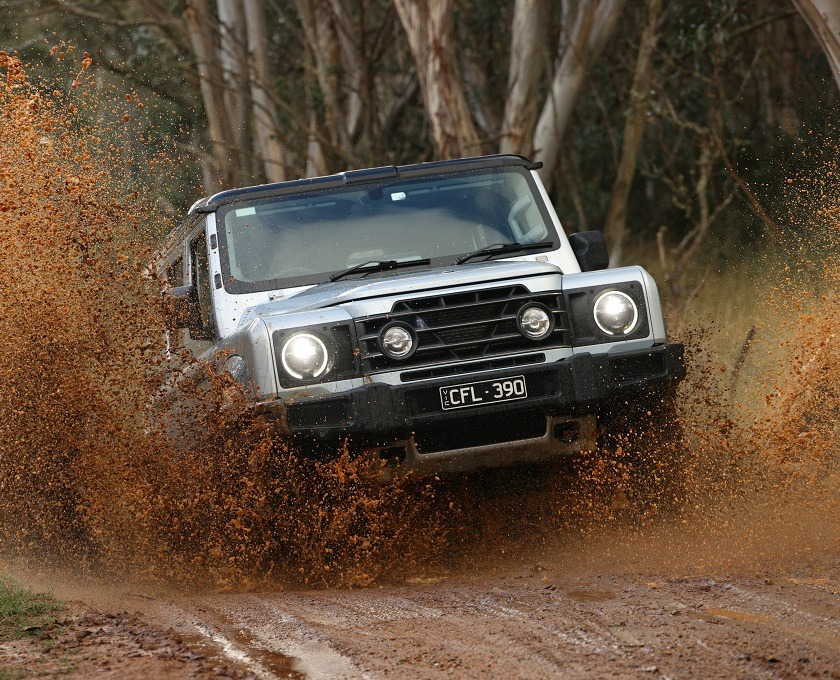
{"type": "Point", "coordinates": [89, 477]}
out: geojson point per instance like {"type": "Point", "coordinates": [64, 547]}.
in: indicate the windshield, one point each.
{"type": "Point", "coordinates": [298, 240]}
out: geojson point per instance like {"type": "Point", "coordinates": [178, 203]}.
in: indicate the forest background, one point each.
{"type": "Point", "coordinates": [672, 125]}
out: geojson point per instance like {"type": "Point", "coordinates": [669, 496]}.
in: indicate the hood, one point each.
{"type": "Point", "coordinates": [401, 282]}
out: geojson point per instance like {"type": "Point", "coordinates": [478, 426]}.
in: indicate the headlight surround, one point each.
{"type": "Point", "coordinates": [615, 313]}
{"type": "Point", "coordinates": [305, 356]}
{"type": "Point", "coordinates": [535, 321]}
{"type": "Point", "coordinates": [397, 341]}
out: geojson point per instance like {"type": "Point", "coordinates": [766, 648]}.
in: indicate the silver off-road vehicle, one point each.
{"type": "Point", "coordinates": [435, 315]}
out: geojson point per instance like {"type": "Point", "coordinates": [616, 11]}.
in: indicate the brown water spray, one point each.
{"type": "Point", "coordinates": [91, 476]}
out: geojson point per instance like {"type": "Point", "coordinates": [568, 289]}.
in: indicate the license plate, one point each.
{"type": "Point", "coordinates": [483, 393]}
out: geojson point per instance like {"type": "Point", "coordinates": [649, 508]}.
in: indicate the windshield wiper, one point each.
{"type": "Point", "coordinates": [378, 266]}
{"type": "Point", "coordinates": [504, 248]}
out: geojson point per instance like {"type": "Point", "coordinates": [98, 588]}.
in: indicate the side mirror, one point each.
{"type": "Point", "coordinates": [181, 308]}
{"type": "Point", "coordinates": [590, 249]}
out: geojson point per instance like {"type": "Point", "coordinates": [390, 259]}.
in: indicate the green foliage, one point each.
{"type": "Point", "coordinates": [722, 76]}
{"type": "Point", "coordinates": [21, 608]}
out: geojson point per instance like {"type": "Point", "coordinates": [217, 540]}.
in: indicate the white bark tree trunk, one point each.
{"type": "Point", "coordinates": [526, 68]}
{"type": "Point", "coordinates": [264, 113]}
{"type": "Point", "coordinates": [587, 24]}
{"type": "Point", "coordinates": [354, 85]}
{"type": "Point", "coordinates": [823, 17]}
{"type": "Point", "coordinates": [200, 27]}
{"type": "Point", "coordinates": [316, 162]}
{"type": "Point", "coordinates": [321, 36]}
{"type": "Point", "coordinates": [428, 25]}
{"type": "Point", "coordinates": [233, 56]}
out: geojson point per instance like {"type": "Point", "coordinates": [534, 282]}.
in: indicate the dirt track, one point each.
{"type": "Point", "coordinates": [538, 623]}
{"type": "Point", "coordinates": [523, 620]}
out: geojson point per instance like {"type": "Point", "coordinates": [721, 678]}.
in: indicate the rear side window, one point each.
{"type": "Point", "coordinates": [200, 270]}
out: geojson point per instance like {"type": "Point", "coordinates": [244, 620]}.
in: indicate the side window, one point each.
{"type": "Point", "coordinates": [524, 218]}
{"type": "Point", "coordinates": [200, 278]}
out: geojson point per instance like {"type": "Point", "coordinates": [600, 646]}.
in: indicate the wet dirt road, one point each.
{"type": "Point", "coordinates": [531, 622]}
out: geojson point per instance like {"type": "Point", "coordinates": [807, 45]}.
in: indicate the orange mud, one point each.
{"type": "Point", "coordinates": [89, 478]}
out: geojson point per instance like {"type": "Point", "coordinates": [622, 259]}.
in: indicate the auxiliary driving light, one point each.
{"type": "Point", "coordinates": [397, 341]}
{"type": "Point", "coordinates": [535, 322]}
{"type": "Point", "coordinates": [238, 369]}
{"type": "Point", "coordinates": [305, 356]}
{"type": "Point", "coordinates": [615, 313]}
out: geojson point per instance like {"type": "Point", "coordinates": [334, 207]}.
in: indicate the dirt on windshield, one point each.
{"type": "Point", "coordinates": [228, 551]}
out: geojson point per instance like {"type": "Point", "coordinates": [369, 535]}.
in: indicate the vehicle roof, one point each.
{"type": "Point", "coordinates": [213, 202]}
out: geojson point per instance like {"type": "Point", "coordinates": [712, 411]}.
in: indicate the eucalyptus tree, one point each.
{"type": "Point", "coordinates": [823, 16]}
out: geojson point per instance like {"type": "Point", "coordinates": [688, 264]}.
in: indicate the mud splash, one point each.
{"type": "Point", "coordinates": [761, 428]}
{"type": "Point", "coordinates": [88, 478]}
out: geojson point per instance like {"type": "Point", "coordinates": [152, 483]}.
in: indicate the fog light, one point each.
{"type": "Point", "coordinates": [236, 366]}
{"type": "Point", "coordinates": [397, 341]}
{"type": "Point", "coordinates": [615, 313]}
{"type": "Point", "coordinates": [535, 322]}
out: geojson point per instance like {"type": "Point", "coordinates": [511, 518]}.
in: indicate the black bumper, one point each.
{"type": "Point", "coordinates": [579, 385]}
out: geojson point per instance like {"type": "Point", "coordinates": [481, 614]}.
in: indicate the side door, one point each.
{"type": "Point", "coordinates": [200, 340]}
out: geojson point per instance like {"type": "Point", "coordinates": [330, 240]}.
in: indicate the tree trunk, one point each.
{"type": "Point", "coordinates": [428, 25]}
{"type": "Point", "coordinates": [526, 68]}
{"type": "Point", "coordinates": [587, 24]}
{"type": "Point", "coordinates": [616, 225]}
{"type": "Point", "coordinates": [322, 38]}
{"type": "Point", "coordinates": [823, 16]}
{"type": "Point", "coordinates": [233, 55]}
{"type": "Point", "coordinates": [316, 162]}
{"type": "Point", "coordinates": [483, 108]}
{"type": "Point", "coordinates": [355, 85]}
{"type": "Point", "coordinates": [201, 26]}
{"type": "Point", "coordinates": [269, 149]}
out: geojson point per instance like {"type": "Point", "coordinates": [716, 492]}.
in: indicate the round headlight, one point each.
{"type": "Point", "coordinates": [397, 341]}
{"type": "Point", "coordinates": [305, 356]}
{"type": "Point", "coordinates": [615, 313]}
{"type": "Point", "coordinates": [535, 322]}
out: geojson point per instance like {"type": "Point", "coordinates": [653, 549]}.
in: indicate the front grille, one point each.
{"type": "Point", "coordinates": [461, 327]}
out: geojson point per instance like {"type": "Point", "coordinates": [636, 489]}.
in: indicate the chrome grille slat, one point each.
{"type": "Point", "coordinates": [458, 327]}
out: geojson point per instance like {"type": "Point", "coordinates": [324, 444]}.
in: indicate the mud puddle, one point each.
{"type": "Point", "coordinates": [242, 650]}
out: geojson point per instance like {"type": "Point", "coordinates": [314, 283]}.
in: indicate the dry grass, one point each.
{"type": "Point", "coordinates": [744, 289]}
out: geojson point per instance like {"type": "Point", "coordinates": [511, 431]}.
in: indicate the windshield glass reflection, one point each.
{"type": "Point", "coordinates": [299, 240]}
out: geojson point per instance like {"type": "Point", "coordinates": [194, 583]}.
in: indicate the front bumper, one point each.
{"type": "Point", "coordinates": [578, 386]}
